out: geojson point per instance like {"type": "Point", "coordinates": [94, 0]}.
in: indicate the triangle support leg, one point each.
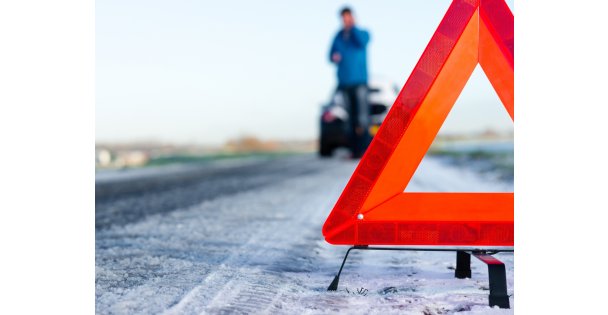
{"type": "Point", "coordinates": [334, 284]}
{"type": "Point", "coordinates": [463, 265]}
{"type": "Point", "coordinates": [498, 280]}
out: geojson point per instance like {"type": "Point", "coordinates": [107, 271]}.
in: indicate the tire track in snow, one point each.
{"type": "Point", "coordinates": [244, 282]}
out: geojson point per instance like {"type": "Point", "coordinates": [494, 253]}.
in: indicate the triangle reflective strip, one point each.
{"type": "Point", "coordinates": [468, 34]}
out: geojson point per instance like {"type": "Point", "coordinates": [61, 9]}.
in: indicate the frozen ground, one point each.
{"type": "Point", "coordinates": [254, 245]}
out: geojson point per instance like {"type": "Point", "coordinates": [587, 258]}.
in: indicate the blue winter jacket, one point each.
{"type": "Point", "coordinates": [351, 45]}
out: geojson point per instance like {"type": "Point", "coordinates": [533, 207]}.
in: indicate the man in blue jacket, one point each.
{"type": "Point", "coordinates": [348, 52]}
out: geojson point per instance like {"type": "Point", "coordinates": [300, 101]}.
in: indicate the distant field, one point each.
{"type": "Point", "coordinates": [182, 159]}
{"type": "Point", "coordinates": [176, 159]}
{"type": "Point", "coordinates": [493, 159]}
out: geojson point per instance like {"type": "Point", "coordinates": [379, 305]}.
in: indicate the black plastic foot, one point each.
{"type": "Point", "coordinates": [334, 284]}
{"type": "Point", "coordinates": [498, 280]}
{"type": "Point", "coordinates": [463, 265]}
{"type": "Point", "coordinates": [500, 301]}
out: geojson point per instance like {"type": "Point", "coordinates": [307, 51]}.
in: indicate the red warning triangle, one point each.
{"type": "Point", "coordinates": [373, 208]}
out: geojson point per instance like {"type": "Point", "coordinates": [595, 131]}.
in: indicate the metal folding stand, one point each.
{"type": "Point", "coordinates": [497, 275]}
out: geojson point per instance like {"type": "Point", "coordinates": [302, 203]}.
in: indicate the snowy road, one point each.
{"type": "Point", "coordinates": [245, 237]}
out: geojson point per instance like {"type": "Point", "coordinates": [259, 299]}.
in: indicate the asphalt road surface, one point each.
{"type": "Point", "coordinates": [132, 197]}
{"type": "Point", "coordinates": [244, 237]}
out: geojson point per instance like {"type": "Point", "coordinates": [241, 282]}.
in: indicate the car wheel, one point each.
{"type": "Point", "coordinates": [325, 150]}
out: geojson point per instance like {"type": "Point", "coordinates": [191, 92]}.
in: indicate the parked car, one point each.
{"type": "Point", "coordinates": [334, 120]}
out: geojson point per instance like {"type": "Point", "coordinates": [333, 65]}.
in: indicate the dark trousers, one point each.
{"type": "Point", "coordinates": [357, 105]}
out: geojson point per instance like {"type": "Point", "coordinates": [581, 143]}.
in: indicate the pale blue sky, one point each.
{"type": "Point", "coordinates": [206, 71]}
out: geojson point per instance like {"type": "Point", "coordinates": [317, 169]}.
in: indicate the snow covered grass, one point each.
{"type": "Point", "coordinates": [262, 251]}
{"type": "Point", "coordinates": [491, 159]}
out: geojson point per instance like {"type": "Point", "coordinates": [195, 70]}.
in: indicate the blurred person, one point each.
{"type": "Point", "coordinates": [348, 52]}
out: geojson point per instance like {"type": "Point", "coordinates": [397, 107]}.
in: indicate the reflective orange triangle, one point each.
{"type": "Point", "coordinates": [373, 208]}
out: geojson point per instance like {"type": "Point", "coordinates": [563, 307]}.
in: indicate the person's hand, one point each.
{"type": "Point", "coordinates": [336, 57]}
